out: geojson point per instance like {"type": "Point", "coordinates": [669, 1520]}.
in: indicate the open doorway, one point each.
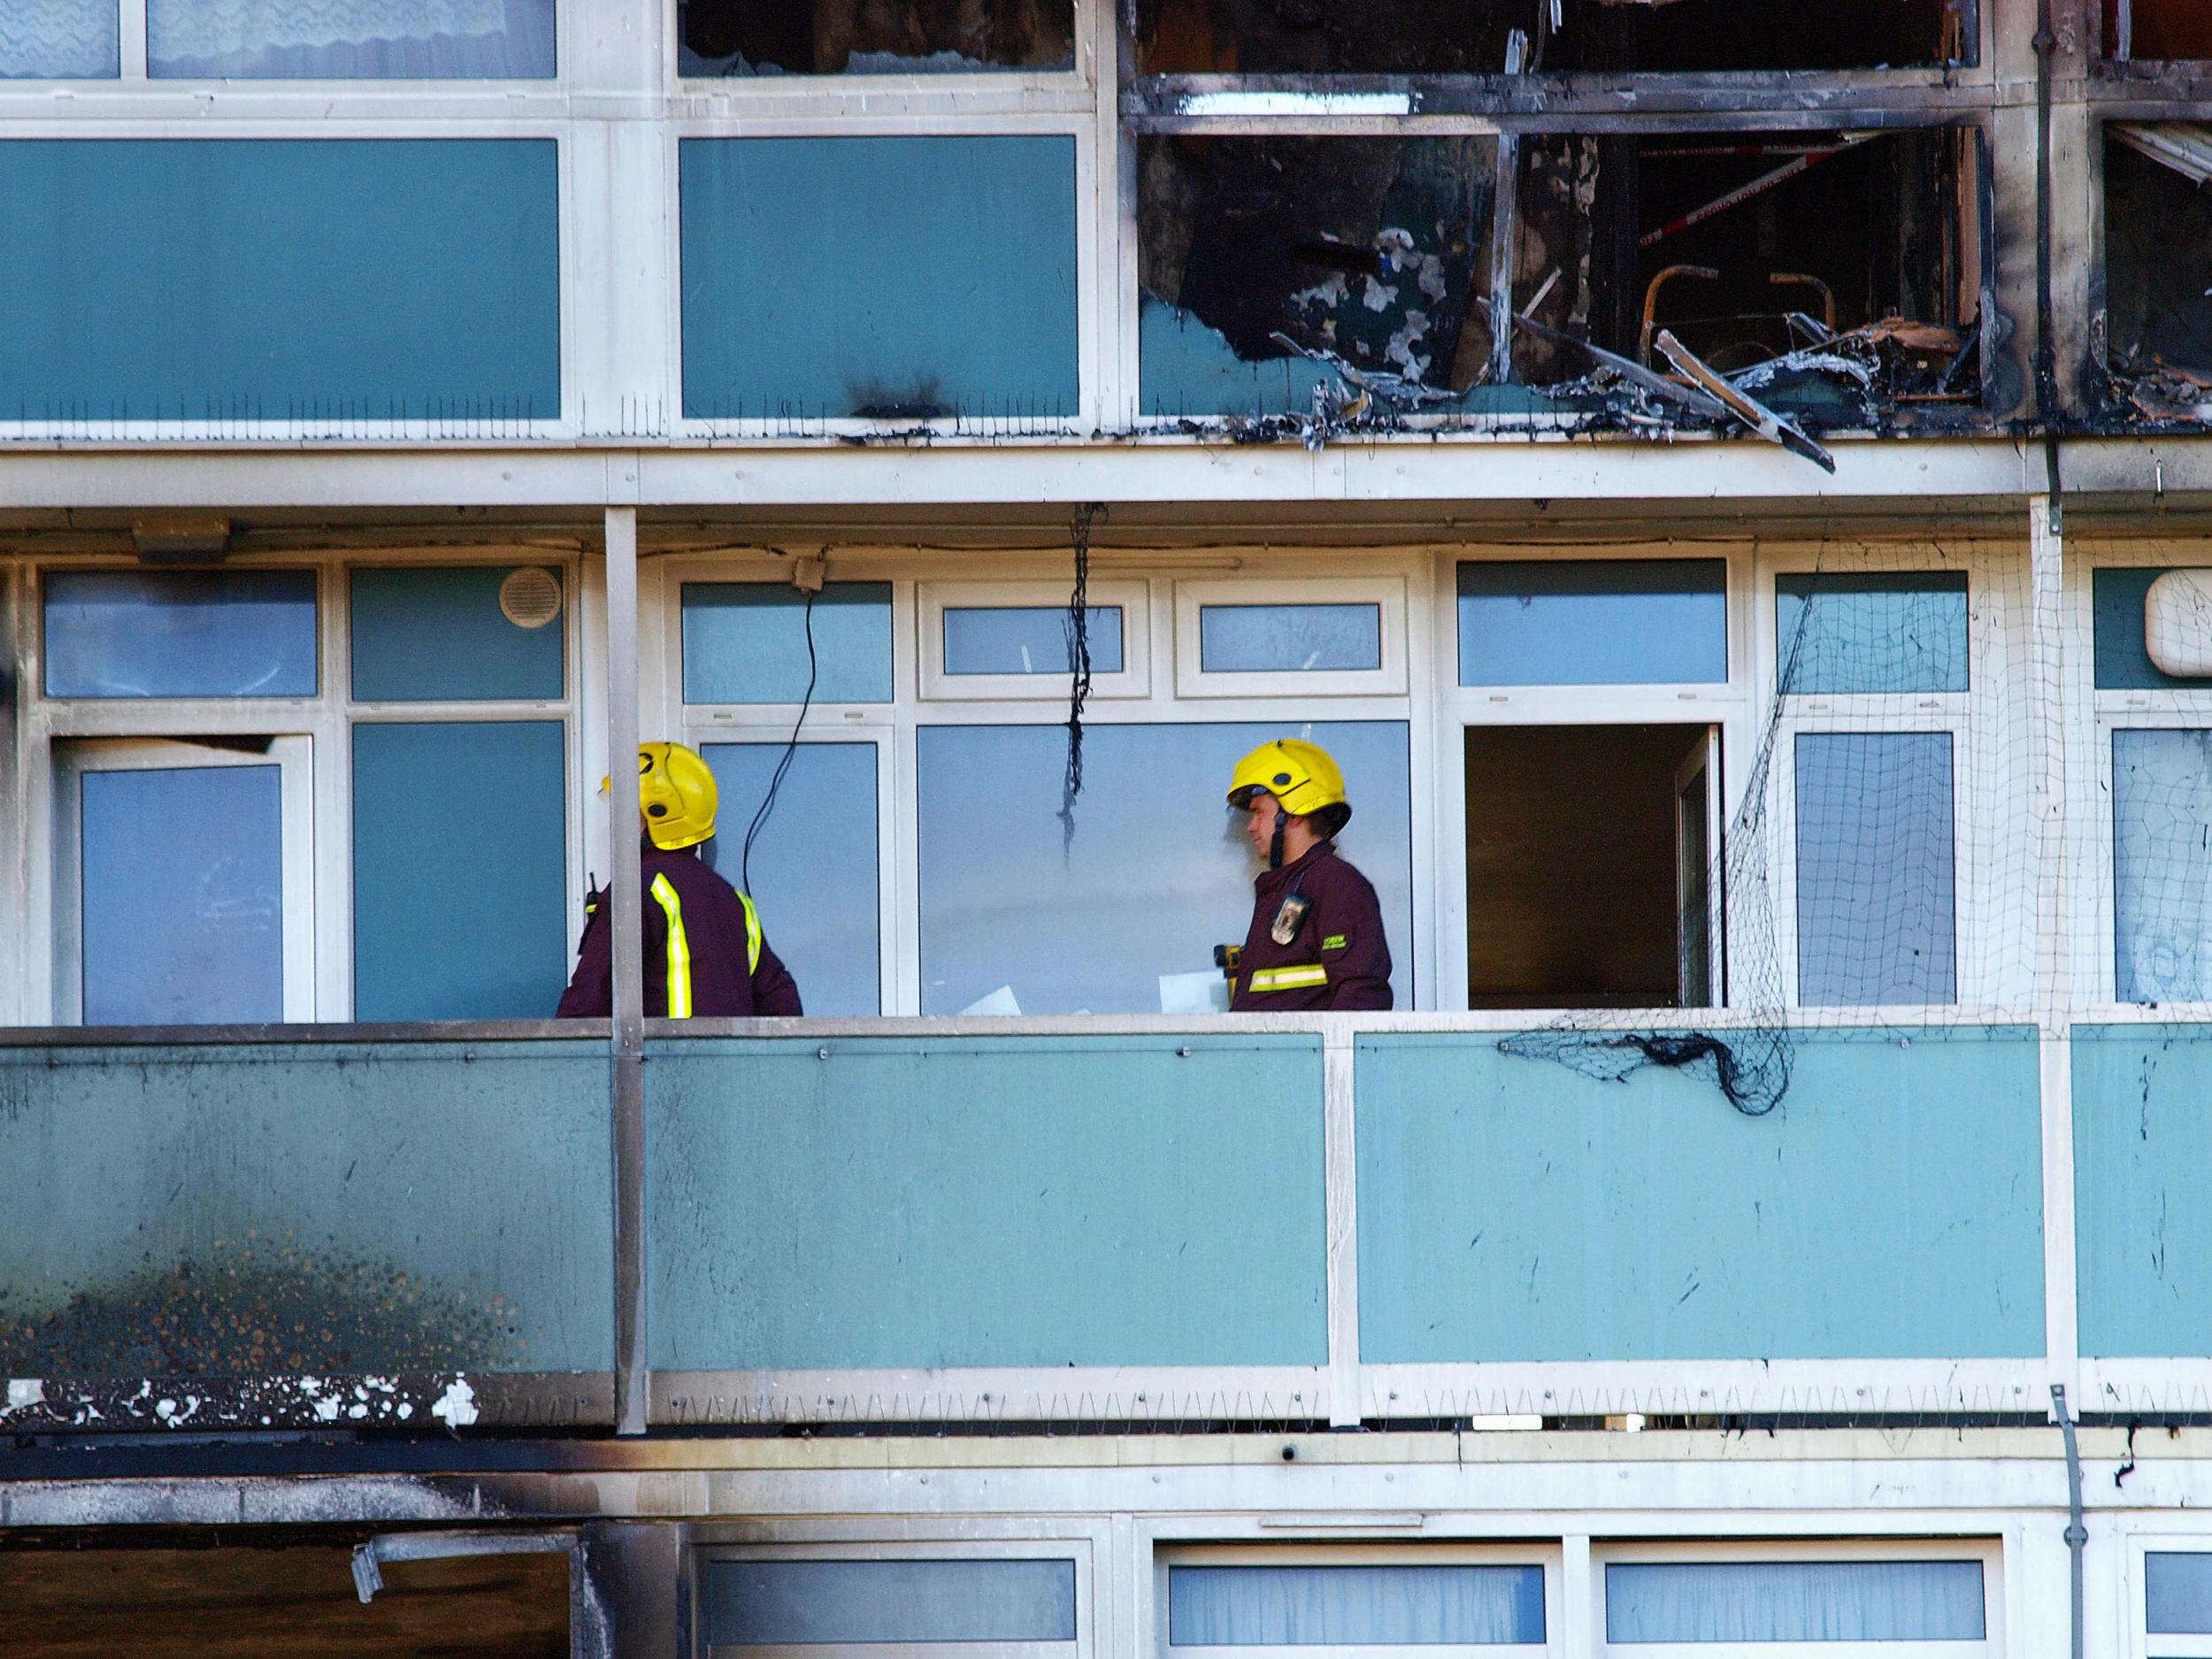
{"type": "Point", "coordinates": [1589, 857]}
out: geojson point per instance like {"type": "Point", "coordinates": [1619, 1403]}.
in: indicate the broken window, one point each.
{"type": "Point", "coordinates": [1275, 37]}
{"type": "Point", "coordinates": [1271, 265]}
{"type": "Point", "coordinates": [2156, 29]}
{"type": "Point", "coordinates": [2158, 268]}
{"type": "Point", "coordinates": [872, 37]}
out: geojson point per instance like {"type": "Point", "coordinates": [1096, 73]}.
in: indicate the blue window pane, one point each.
{"type": "Point", "coordinates": [1594, 622]}
{"type": "Point", "coordinates": [747, 642]}
{"type": "Point", "coordinates": [1848, 634]}
{"type": "Point", "coordinates": [1795, 1601]}
{"type": "Point", "coordinates": [2177, 1593]}
{"type": "Point", "coordinates": [2121, 659]}
{"type": "Point", "coordinates": [1091, 921]}
{"type": "Point", "coordinates": [795, 1603]}
{"type": "Point", "coordinates": [1876, 921]}
{"type": "Point", "coordinates": [900, 277]}
{"type": "Point", "coordinates": [349, 40]}
{"type": "Point", "coordinates": [814, 872]}
{"type": "Point", "coordinates": [309, 281]}
{"type": "Point", "coordinates": [1026, 639]}
{"type": "Point", "coordinates": [424, 634]}
{"type": "Point", "coordinates": [1347, 1606]}
{"type": "Point", "coordinates": [1288, 639]}
{"type": "Point", "coordinates": [183, 896]}
{"type": "Point", "coordinates": [458, 914]}
{"type": "Point", "coordinates": [181, 634]}
{"type": "Point", "coordinates": [59, 40]}
{"type": "Point", "coordinates": [2162, 864]}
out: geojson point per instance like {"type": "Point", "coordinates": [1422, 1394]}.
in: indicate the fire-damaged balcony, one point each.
{"type": "Point", "coordinates": [1298, 1218]}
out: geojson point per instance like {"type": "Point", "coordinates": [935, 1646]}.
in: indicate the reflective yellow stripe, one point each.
{"type": "Point", "coordinates": [1289, 978]}
{"type": "Point", "coordinates": [752, 934]}
{"type": "Point", "coordinates": [678, 947]}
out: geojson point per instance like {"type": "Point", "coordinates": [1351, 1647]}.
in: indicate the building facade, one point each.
{"type": "Point", "coordinates": [1729, 487]}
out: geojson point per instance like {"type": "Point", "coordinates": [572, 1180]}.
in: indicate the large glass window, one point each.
{"type": "Point", "coordinates": [1380, 1606]}
{"type": "Point", "coordinates": [181, 634]}
{"type": "Point", "coordinates": [481, 633]}
{"type": "Point", "coordinates": [1592, 622]}
{"type": "Point", "coordinates": [59, 40]}
{"type": "Point", "coordinates": [2161, 864]}
{"type": "Point", "coordinates": [2177, 1593]}
{"type": "Point", "coordinates": [758, 642]}
{"type": "Point", "coordinates": [811, 1603]}
{"type": "Point", "coordinates": [1023, 909]}
{"type": "Point", "coordinates": [1876, 868]}
{"type": "Point", "coordinates": [812, 869]}
{"type": "Point", "coordinates": [349, 40]}
{"type": "Point", "coordinates": [1851, 634]}
{"type": "Point", "coordinates": [1794, 1600]}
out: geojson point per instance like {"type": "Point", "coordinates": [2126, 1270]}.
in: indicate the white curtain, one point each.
{"type": "Point", "coordinates": [1794, 1600]}
{"type": "Point", "coordinates": [59, 39]}
{"type": "Point", "coordinates": [1346, 1607]}
{"type": "Point", "coordinates": [349, 39]}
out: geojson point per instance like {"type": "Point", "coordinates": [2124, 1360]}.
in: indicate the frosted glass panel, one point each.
{"type": "Point", "coordinates": [1795, 1601]}
{"type": "Point", "coordinates": [349, 40]}
{"type": "Point", "coordinates": [2177, 1591]}
{"type": "Point", "coordinates": [181, 634]}
{"type": "Point", "coordinates": [1026, 639]}
{"type": "Point", "coordinates": [1288, 639]}
{"type": "Point", "coordinates": [1155, 874]}
{"type": "Point", "coordinates": [764, 1603]}
{"type": "Point", "coordinates": [427, 634]}
{"type": "Point", "coordinates": [59, 40]}
{"type": "Point", "coordinates": [1345, 1607]}
{"type": "Point", "coordinates": [1594, 622]}
{"type": "Point", "coordinates": [183, 896]}
{"type": "Point", "coordinates": [1876, 919]}
{"type": "Point", "coordinates": [2162, 864]}
{"type": "Point", "coordinates": [814, 862]}
{"type": "Point", "coordinates": [1846, 635]}
{"type": "Point", "coordinates": [745, 642]}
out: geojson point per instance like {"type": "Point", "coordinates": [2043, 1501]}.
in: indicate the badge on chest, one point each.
{"type": "Point", "coordinates": [1290, 916]}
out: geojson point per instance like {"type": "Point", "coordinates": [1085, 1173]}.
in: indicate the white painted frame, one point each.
{"type": "Point", "coordinates": [2141, 1643]}
{"type": "Point", "coordinates": [1387, 679]}
{"type": "Point", "coordinates": [932, 599]}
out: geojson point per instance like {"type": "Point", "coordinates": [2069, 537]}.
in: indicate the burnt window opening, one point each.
{"type": "Point", "coordinates": [859, 37]}
{"type": "Point", "coordinates": [1279, 37]}
{"type": "Point", "coordinates": [2158, 265]}
{"type": "Point", "coordinates": [2156, 30]}
{"type": "Point", "coordinates": [1266, 263]}
{"type": "Point", "coordinates": [1842, 271]}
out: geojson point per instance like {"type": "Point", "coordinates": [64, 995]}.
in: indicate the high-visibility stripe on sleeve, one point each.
{"type": "Point", "coordinates": [752, 934]}
{"type": "Point", "coordinates": [678, 947]}
{"type": "Point", "coordinates": [1289, 978]}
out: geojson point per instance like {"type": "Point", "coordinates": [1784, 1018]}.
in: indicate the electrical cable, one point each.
{"type": "Point", "coordinates": [783, 766]}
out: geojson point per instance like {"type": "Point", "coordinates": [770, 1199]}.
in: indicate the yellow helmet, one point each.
{"type": "Point", "coordinates": [1298, 775]}
{"type": "Point", "coordinates": [676, 793]}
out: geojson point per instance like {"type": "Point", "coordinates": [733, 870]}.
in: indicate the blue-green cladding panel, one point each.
{"type": "Point", "coordinates": [229, 1208]}
{"type": "Point", "coordinates": [896, 277]}
{"type": "Point", "coordinates": [460, 870]}
{"type": "Point", "coordinates": [927, 1201]}
{"type": "Point", "coordinates": [2143, 1189]}
{"type": "Point", "coordinates": [280, 278]}
{"type": "Point", "coordinates": [1514, 1208]}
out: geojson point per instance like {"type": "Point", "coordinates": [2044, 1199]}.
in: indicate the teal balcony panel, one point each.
{"type": "Point", "coordinates": [280, 280]}
{"type": "Point", "coordinates": [836, 1204]}
{"type": "Point", "coordinates": [2143, 1190]}
{"type": "Point", "coordinates": [229, 1210]}
{"type": "Point", "coordinates": [1515, 1210]}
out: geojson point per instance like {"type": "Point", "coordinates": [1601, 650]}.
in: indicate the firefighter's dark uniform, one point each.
{"type": "Point", "coordinates": [1337, 958]}
{"type": "Point", "coordinates": [704, 950]}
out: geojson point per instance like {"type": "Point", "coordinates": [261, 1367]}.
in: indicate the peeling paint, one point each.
{"type": "Point", "coordinates": [273, 1401]}
{"type": "Point", "coordinates": [458, 1405]}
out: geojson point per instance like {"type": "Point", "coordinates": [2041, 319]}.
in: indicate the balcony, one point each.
{"type": "Point", "coordinates": [1300, 1219]}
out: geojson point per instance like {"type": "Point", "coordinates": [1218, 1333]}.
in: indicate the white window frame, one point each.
{"type": "Point", "coordinates": [1387, 679]}
{"type": "Point", "coordinates": [1988, 1551]}
{"type": "Point", "coordinates": [1133, 598]}
{"type": "Point", "coordinates": [2135, 1597]}
{"type": "Point", "coordinates": [1075, 1548]}
{"type": "Point", "coordinates": [294, 760]}
{"type": "Point", "coordinates": [1322, 1553]}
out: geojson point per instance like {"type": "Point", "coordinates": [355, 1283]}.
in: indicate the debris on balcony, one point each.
{"type": "Point", "coordinates": [2158, 269]}
{"type": "Point", "coordinates": [854, 37]}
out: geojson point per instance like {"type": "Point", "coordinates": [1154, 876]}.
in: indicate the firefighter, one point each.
{"type": "Point", "coordinates": [1317, 936]}
{"type": "Point", "coordinates": [704, 950]}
